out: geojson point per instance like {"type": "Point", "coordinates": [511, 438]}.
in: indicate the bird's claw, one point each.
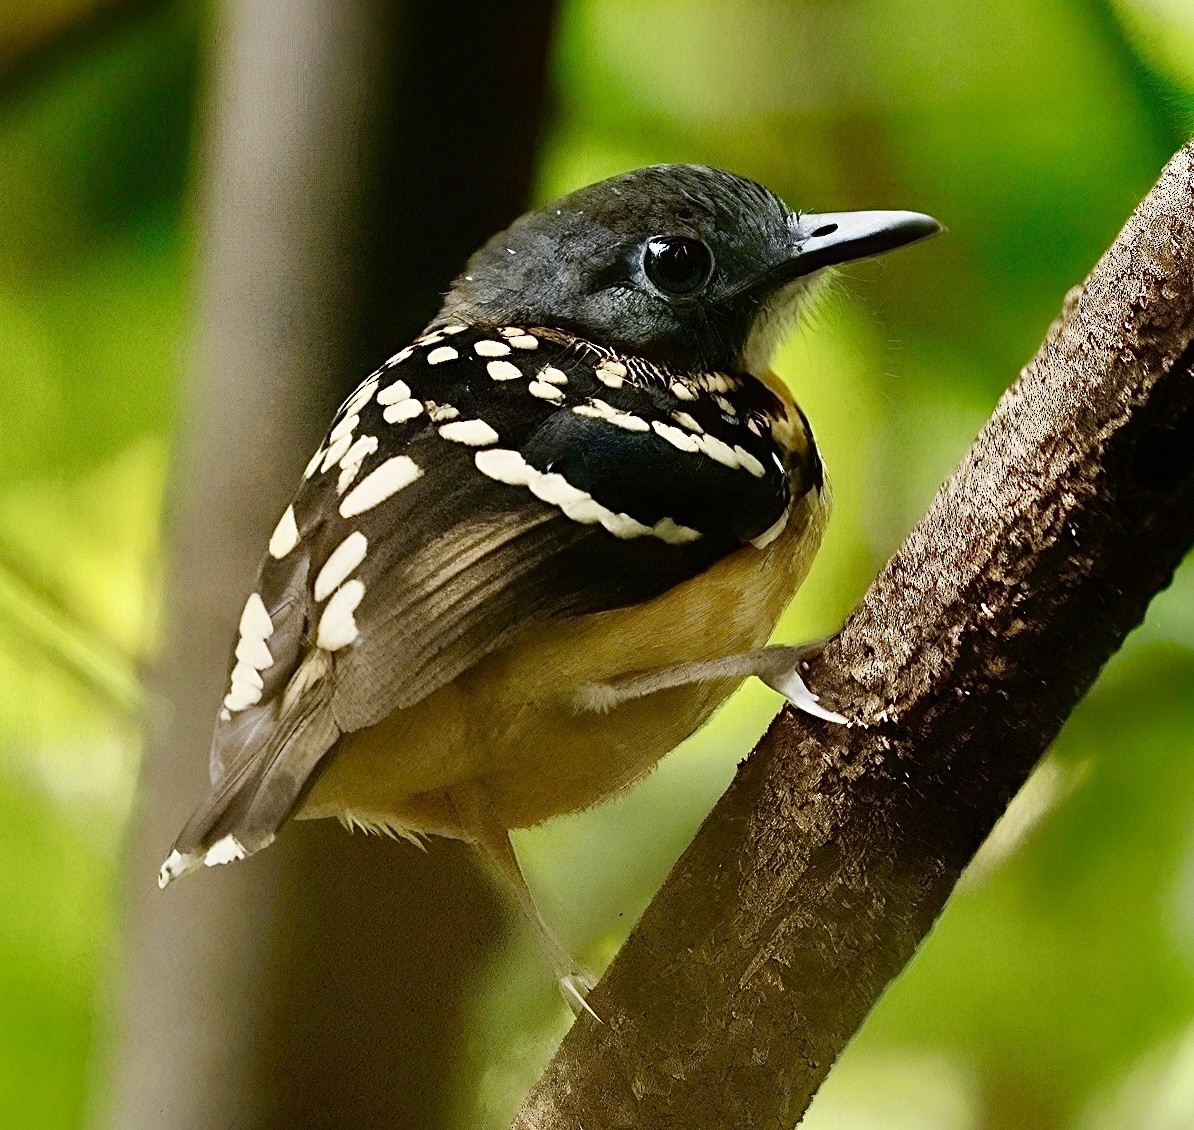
{"type": "Point", "coordinates": [574, 987]}
{"type": "Point", "coordinates": [789, 683]}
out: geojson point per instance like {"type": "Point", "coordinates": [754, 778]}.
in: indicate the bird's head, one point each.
{"type": "Point", "coordinates": [688, 266]}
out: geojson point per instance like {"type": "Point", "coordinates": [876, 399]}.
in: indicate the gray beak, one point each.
{"type": "Point", "coordinates": [823, 239]}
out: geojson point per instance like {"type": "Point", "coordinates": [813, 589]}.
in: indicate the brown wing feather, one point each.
{"type": "Point", "coordinates": [407, 556]}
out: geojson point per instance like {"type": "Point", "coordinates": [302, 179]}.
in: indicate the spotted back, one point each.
{"type": "Point", "coordinates": [481, 481]}
{"type": "Point", "coordinates": [586, 481]}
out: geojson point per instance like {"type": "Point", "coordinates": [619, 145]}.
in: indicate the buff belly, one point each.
{"type": "Point", "coordinates": [510, 725]}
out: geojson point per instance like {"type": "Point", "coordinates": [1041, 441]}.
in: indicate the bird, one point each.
{"type": "Point", "coordinates": [541, 544]}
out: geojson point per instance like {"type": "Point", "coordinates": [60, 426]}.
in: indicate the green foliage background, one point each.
{"type": "Point", "coordinates": [1058, 989]}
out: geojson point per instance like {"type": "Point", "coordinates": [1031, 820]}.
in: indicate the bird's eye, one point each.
{"type": "Point", "coordinates": [676, 264]}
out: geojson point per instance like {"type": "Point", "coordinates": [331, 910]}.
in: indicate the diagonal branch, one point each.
{"type": "Point", "coordinates": [814, 880]}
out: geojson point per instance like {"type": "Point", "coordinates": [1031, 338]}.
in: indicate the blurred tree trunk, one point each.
{"type": "Point", "coordinates": [356, 152]}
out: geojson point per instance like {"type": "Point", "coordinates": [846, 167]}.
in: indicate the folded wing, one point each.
{"type": "Point", "coordinates": [479, 483]}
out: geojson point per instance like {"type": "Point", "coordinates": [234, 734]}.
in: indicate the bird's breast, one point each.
{"type": "Point", "coordinates": [513, 723]}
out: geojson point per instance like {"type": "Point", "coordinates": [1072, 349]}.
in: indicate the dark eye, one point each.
{"type": "Point", "coordinates": [676, 264]}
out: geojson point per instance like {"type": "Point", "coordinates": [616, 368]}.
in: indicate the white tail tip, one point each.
{"type": "Point", "coordinates": [176, 864]}
{"type": "Point", "coordinates": [228, 849]}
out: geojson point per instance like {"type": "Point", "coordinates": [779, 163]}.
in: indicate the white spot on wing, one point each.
{"type": "Point", "coordinates": [718, 449]}
{"type": "Point", "coordinates": [673, 533]}
{"type": "Point", "coordinates": [545, 391]}
{"type": "Point", "coordinates": [336, 452]}
{"type": "Point", "coordinates": [252, 656]}
{"type": "Point", "coordinates": [576, 504]}
{"type": "Point", "coordinates": [510, 467]}
{"type": "Point", "coordinates": [524, 341]}
{"type": "Point", "coordinates": [557, 490]}
{"type": "Point", "coordinates": [585, 510]}
{"type": "Point", "coordinates": [599, 410]}
{"type": "Point", "coordinates": [474, 433]}
{"type": "Point", "coordinates": [344, 428]}
{"type": "Point", "coordinates": [553, 376]}
{"type": "Point", "coordinates": [682, 391]}
{"type": "Point", "coordinates": [254, 620]}
{"type": "Point", "coordinates": [394, 393]}
{"type": "Point", "coordinates": [361, 397]}
{"type": "Point", "coordinates": [505, 466]}
{"type": "Point", "coordinates": [350, 465]}
{"type": "Point", "coordinates": [611, 373]}
{"type": "Point", "coordinates": [254, 652]}
{"type": "Point", "coordinates": [716, 382]}
{"type": "Point", "coordinates": [624, 526]}
{"type": "Point", "coordinates": [223, 851]}
{"type": "Point", "coordinates": [285, 536]}
{"type": "Point", "coordinates": [629, 422]}
{"type": "Point", "coordinates": [442, 354]}
{"type": "Point", "coordinates": [749, 461]}
{"type": "Point", "coordinates": [246, 688]}
{"type": "Point", "coordinates": [337, 625]}
{"type": "Point", "coordinates": [488, 348]}
{"type": "Point", "coordinates": [402, 411]}
{"type": "Point", "coordinates": [503, 370]}
{"type": "Point", "coordinates": [363, 446]}
{"type": "Point", "coordinates": [247, 674]}
{"type": "Point", "coordinates": [313, 465]}
{"type": "Point", "coordinates": [241, 696]}
{"type": "Point", "coordinates": [176, 864]}
{"type": "Point", "coordinates": [340, 564]}
{"type": "Point", "coordinates": [386, 479]}
{"type": "Point", "coordinates": [675, 436]}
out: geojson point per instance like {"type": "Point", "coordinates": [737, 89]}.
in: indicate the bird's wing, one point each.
{"type": "Point", "coordinates": [479, 483]}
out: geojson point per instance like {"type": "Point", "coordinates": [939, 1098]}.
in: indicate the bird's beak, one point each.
{"type": "Point", "coordinates": [825, 238]}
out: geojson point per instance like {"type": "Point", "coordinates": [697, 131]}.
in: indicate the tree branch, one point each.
{"type": "Point", "coordinates": [829, 858]}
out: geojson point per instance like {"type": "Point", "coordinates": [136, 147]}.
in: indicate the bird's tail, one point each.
{"type": "Point", "coordinates": [281, 746]}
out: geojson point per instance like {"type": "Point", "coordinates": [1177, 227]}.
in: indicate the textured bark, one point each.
{"type": "Point", "coordinates": [357, 153]}
{"type": "Point", "coordinates": [817, 875]}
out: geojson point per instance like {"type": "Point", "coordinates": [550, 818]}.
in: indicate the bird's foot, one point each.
{"type": "Point", "coordinates": [574, 987]}
{"type": "Point", "coordinates": [778, 667]}
{"type": "Point", "coordinates": [796, 691]}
